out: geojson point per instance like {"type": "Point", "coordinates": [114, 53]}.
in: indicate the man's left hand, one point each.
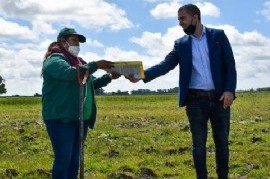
{"type": "Point", "coordinates": [227, 98]}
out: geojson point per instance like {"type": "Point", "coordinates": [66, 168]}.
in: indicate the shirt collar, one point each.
{"type": "Point", "coordinates": [203, 33]}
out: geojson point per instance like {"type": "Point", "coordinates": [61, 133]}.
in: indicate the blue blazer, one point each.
{"type": "Point", "coordinates": [221, 57]}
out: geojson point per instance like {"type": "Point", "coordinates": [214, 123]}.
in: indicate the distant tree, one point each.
{"type": "Point", "coordinates": [173, 90]}
{"type": "Point", "coordinates": [100, 91]}
{"type": "Point", "coordinates": [142, 91]}
{"type": "Point", "coordinates": [119, 92]}
{"type": "Point", "coordinates": [263, 89]}
{"type": "Point", "coordinates": [37, 95]}
{"type": "Point", "coordinates": [2, 86]}
{"type": "Point", "coordinates": [162, 91]}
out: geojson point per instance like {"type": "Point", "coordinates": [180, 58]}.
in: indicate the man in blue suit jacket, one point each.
{"type": "Point", "coordinates": [207, 83]}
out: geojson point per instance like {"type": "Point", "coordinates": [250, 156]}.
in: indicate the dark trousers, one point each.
{"type": "Point", "coordinates": [199, 110]}
{"type": "Point", "coordinates": [65, 142]}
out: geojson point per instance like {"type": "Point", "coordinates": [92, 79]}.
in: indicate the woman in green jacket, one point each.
{"type": "Point", "coordinates": [61, 73]}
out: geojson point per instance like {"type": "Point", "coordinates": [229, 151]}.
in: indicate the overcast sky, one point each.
{"type": "Point", "coordinates": [128, 30]}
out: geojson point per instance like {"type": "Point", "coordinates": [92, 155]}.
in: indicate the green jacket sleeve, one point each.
{"type": "Point", "coordinates": [102, 81]}
{"type": "Point", "coordinates": [58, 67]}
{"type": "Point", "coordinates": [92, 66]}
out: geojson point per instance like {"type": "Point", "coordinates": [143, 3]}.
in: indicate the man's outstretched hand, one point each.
{"type": "Point", "coordinates": [132, 79]}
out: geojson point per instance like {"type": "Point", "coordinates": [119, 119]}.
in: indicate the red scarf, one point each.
{"type": "Point", "coordinates": [73, 60]}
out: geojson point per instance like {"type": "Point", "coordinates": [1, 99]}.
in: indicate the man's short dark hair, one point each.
{"type": "Point", "coordinates": [191, 9]}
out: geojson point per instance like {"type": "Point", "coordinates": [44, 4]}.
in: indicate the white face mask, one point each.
{"type": "Point", "coordinates": [74, 50]}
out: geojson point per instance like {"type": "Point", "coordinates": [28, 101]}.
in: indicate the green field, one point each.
{"type": "Point", "coordinates": [136, 137]}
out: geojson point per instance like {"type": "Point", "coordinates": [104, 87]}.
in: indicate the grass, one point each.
{"type": "Point", "coordinates": [135, 137]}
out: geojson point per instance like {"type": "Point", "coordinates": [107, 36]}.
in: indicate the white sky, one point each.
{"type": "Point", "coordinates": [127, 30]}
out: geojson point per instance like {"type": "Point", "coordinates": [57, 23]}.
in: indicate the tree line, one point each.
{"type": "Point", "coordinates": [137, 92]}
{"type": "Point", "coordinates": [101, 91]}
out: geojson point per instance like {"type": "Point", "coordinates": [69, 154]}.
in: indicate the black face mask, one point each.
{"type": "Point", "coordinates": [190, 29]}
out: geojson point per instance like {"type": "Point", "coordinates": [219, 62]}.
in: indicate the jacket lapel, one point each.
{"type": "Point", "coordinates": [186, 50]}
{"type": "Point", "coordinates": [209, 36]}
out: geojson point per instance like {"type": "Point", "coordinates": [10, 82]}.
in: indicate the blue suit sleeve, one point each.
{"type": "Point", "coordinates": [169, 63]}
{"type": "Point", "coordinates": [230, 70]}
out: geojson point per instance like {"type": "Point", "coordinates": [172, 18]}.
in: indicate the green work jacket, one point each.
{"type": "Point", "coordinates": [61, 90]}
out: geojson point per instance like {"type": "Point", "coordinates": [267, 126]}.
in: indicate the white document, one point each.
{"type": "Point", "coordinates": [127, 68]}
